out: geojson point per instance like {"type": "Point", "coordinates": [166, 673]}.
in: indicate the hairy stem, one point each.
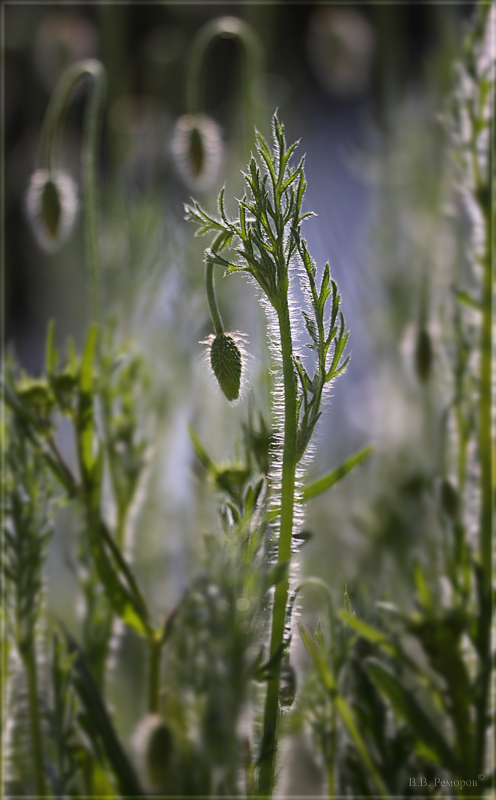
{"type": "Point", "coordinates": [28, 656]}
{"type": "Point", "coordinates": [269, 741]}
{"type": "Point", "coordinates": [212, 299]}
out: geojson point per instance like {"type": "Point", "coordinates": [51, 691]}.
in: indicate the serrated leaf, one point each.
{"type": "Point", "coordinates": [311, 327]}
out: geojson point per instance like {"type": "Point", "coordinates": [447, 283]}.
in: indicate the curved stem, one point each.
{"type": "Point", "coordinates": [224, 27]}
{"type": "Point", "coordinates": [212, 299]}
{"type": "Point", "coordinates": [49, 146]}
{"type": "Point", "coordinates": [269, 741]}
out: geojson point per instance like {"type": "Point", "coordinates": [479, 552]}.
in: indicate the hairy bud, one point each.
{"type": "Point", "coordinates": [198, 149]}
{"type": "Point", "coordinates": [449, 499]}
{"type": "Point", "coordinates": [423, 355]}
{"type": "Point", "coordinates": [227, 364]}
{"type": "Point", "coordinates": [154, 744]}
{"type": "Point", "coordinates": [52, 205]}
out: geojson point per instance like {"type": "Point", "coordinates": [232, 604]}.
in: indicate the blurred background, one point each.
{"type": "Point", "coordinates": [364, 87]}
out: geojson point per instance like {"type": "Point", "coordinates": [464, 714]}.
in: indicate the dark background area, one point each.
{"type": "Point", "coordinates": [145, 49]}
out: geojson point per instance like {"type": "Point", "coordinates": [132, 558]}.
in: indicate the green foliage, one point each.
{"type": "Point", "coordinates": [391, 691]}
{"type": "Point", "coordinates": [266, 237]}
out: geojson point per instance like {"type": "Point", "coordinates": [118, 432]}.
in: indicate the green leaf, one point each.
{"type": "Point", "coordinates": [329, 480]}
{"type": "Point", "coordinates": [317, 655]}
{"type": "Point", "coordinates": [366, 630]}
{"type": "Point", "coordinates": [99, 722]}
{"type": "Point", "coordinates": [277, 574]}
{"type": "Point", "coordinates": [344, 712]}
{"type": "Point", "coordinates": [200, 451]}
{"type": "Point", "coordinates": [87, 360]}
{"type": "Point", "coordinates": [468, 300]}
{"type": "Point", "coordinates": [407, 708]}
{"type": "Point", "coordinates": [119, 583]}
{"type": "Point", "coordinates": [423, 593]}
{"type": "Point", "coordinates": [85, 426]}
{"type": "Point", "coordinates": [318, 659]}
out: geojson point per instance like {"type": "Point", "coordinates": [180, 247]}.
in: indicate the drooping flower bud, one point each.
{"type": "Point", "coordinates": [227, 364]}
{"type": "Point", "coordinates": [52, 203]}
{"type": "Point", "coordinates": [198, 149]}
{"type": "Point", "coordinates": [449, 499]}
{"type": "Point", "coordinates": [423, 355]}
{"type": "Point", "coordinates": [154, 745]}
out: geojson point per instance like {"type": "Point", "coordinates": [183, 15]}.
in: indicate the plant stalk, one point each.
{"type": "Point", "coordinates": [226, 28]}
{"type": "Point", "coordinates": [486, 510]}
{"type": "Point", "coordinates": [269, 741]}
{"type": "Point", "coordinates": [212, 299]}
{"type": "Point", "coordinates": [154, 662]}
{"type": "Point", "coordinates": [29, 660]}
{"type": "Point", "coordinates": [49, 145]}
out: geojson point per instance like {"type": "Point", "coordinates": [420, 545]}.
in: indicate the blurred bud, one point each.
{"type": "Point", "coordinates": [197, 148]}
{"type": "Point", "coordinates": [423, 355]}
{"type": "Point", "coordinates": [341, 48]}
{"type": "Point", "coordinates": [449, 499]}
{"type": "Point", "coordinates": [36, 394]}
{"type": "Point", "coordinates": [154, 745]}
{"type": "Point", "coordinates": [62, 39]}
{"type": "Point", "coordinates": [226, 362]}
{"type": "Point", "coordinates": [287, 686]}
{"type": "Point", "coordinates": [65, 387]}
{"type": "Point", "coordinates": [52, 205]}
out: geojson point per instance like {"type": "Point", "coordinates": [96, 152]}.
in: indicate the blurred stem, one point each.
{"type": "Point", "coordinates": [155, 656]}
{"type": "Point", "coordinates": [225, 28]}
{"type": "Point", "coordinates": [331, 784]}
{"type": "Point", "coordinates": [50, 146]}
{"type": "Point", "coordinates": [28, 656]}
{"type": "Point", "coordinates": [212, 299]}
{"type": "Point", "coordinates": [269, 741]}
{"type": "Point", "coordinates": [485, 450]}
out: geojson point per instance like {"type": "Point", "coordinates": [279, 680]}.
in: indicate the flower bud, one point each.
{"type": "Point", "coordinates": [287, 686]}
{"type": "Point", "coordinates": [226, 362]}
{"type": "Point", "coordinates": [154, 744]}
{"type": "Point", "coordinates": [423, 355]}
{"type": "Point", "coordinates": [51, 206]}
{"type": "Point", "coordinates": [449, 499]}
{"type": "Point", "coordinates": [198, 149]}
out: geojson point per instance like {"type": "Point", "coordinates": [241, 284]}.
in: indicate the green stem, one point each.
{"type": "Point", "coordinates": [49, 146]}
{"type": "Point", "coordinates": [154, 656]}
{"type": "Point", "coordinates": [226, 28]}
{"type": "Point", "coordinates": [28, 656]}
{"type": "Point", "coordinates": [212, 299]}
{"type": "Point", "coordinates": [330, 775]}
{"type": "Point", "coordinates": [269, 741]}
{"type": "Point", "coordinates": [486, 509]}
